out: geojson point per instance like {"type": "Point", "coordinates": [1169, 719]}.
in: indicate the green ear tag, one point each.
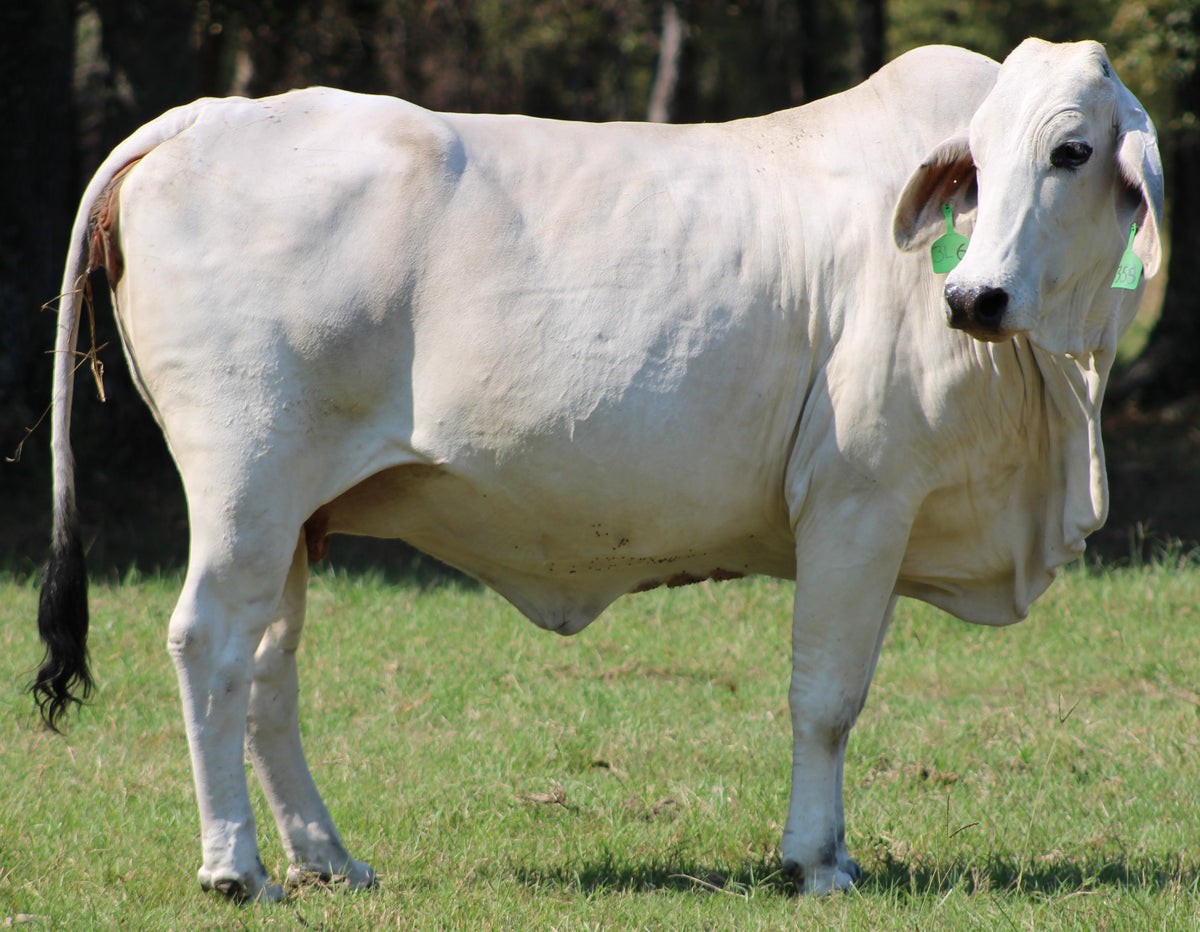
{"type": "Point", "coordinates": [1129, 272]}
{"type": "Point", "coordinates": [949, 248]}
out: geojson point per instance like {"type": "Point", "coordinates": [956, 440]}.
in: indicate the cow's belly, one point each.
{"type": "Point", "coordinates": [561, 562]}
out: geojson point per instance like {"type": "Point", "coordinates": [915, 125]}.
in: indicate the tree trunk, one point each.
{"type": "Point", "coordinates": [666, 77]}
{"type": "Point", "coordinates": [152, 57]}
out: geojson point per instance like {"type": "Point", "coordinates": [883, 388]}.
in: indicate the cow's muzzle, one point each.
{"type": "Point", "coordinates": [979, 311]}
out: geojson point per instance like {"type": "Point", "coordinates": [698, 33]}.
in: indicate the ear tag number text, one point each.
{"type": "Point", "coordinates": [1129, 272]}
{"type": "Point", "coordinates": [949, 248]}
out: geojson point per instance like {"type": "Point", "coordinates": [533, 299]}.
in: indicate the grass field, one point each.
{"type": "Point", "coordinates": [635, 776]}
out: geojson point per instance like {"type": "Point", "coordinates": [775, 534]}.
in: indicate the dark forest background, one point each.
{"type": "Point", "coordinates": [76, 77]}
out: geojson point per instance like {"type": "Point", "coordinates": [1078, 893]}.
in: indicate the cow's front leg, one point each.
{"type": "Point", "coordinates": [841, 615]}
{"type": "Point", "coordinates": [313, 846]}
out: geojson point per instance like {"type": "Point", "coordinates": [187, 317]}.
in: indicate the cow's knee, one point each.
{"type": "Point", "coordinates": [223, 612]}
{"type": "Point", "coordinates": [275, 655]}
{"type": "Point", "coordinates": [274, 694]}
{"type": "Point", "coordinates": [208, 656]}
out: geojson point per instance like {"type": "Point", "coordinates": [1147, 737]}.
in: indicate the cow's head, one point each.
{"type": "Point", "coordinates": [1059, 162]}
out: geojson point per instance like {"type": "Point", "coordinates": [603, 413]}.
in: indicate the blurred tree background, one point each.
{"type": "Point", "coordinates": [78, 75]}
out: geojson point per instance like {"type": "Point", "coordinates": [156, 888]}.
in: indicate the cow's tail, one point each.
{"type": "Point", "coordinates": [64, 677]}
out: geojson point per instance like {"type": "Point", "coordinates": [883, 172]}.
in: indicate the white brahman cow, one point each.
{"type": "Point", "coordinates": [578, 361]}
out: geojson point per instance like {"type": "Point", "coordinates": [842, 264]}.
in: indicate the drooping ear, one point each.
{"type": "Point", "coordinates": [1139, 168]}
{"type": "Point", "coordinates": [947, 176]}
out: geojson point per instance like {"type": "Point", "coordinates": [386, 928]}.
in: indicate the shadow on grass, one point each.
{"type": "Point", "coordinates": [1042, 877]}
{"type": "Point", "coordinates": [1051, 876]}
{"type": "Point", "coordinates": [608, 876]}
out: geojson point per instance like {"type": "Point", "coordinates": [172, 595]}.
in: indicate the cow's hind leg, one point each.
{"type": "Point", "coordinates": [230, 596]}
{"type": "Point", "coordinates": [313, 846]}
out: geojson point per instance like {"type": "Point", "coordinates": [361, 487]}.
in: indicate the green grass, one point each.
{"type": "Point", "coordinates": [635, 776]}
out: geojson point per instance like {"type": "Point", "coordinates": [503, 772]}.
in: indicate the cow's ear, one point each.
{"type": "Point", "coordinates": [1139, 167]}
{"type": "Point", "coordinates": [947, 176]}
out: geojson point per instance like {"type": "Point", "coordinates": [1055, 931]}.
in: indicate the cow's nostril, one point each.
{"type": "Point", "coordinates": [960, 302]}
{"type": "Point", "coordinates": [990, 305]}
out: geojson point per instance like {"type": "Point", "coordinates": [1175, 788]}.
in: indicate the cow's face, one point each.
{"type": "Point", "coordinates": [1059, 163]}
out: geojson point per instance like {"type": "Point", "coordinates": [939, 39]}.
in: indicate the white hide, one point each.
{"type": "Point", "coordinates": [581, 360]}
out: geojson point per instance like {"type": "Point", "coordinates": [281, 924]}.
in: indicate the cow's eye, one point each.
{"type": "Point", "coordinates": [1070, 155]}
